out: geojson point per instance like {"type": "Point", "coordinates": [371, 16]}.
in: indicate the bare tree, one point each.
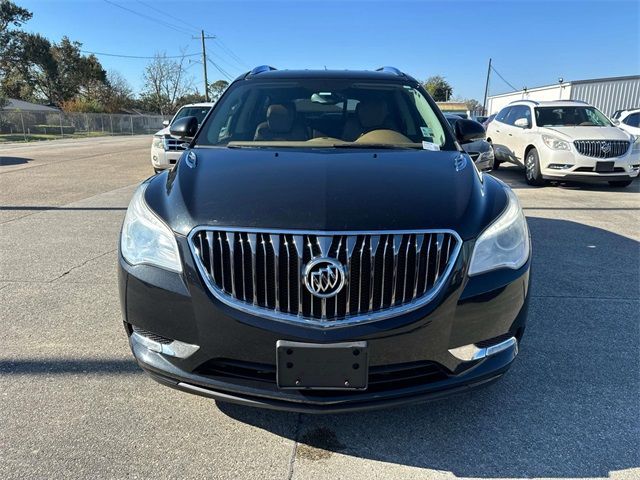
{"type": "Point", "coordinates": [165, 81]}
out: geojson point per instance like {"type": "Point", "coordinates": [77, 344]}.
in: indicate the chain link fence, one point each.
{"type": "Point", "coordinates": [17, 126]}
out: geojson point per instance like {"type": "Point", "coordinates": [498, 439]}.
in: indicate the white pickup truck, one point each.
{"type": "Point", "coordinates": [165, 149]}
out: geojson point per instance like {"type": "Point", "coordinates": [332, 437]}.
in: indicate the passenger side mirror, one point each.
{"type": "Point", "coordinates": [185, 127]}
{"type": "Point", "coordinates": [615, 121]}
{"type": "Point", "coordinates": [522, 123]}
{"type": "Point", "coordinates": [165, 123]}
{"type": "Point", "coordinates": [468, 131]}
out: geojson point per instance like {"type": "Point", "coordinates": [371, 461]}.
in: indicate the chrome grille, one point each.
{"type": "Point", "coordinates": [174, 145]}
{"type": "Point", "coordinates": [262, 272]}
{"type": "Point", "coordinates": [602, 148]}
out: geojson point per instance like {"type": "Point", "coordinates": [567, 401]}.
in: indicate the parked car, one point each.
{"type": "Point", "coordinates": [480, 118]}
{"type": "Point", "coordinates": [628, 120]}
{"type": "Point", "coordinates": [488, 120]}
{"type": "Point", "coordinates": [165, 149]}
{"type": "Point", "coordinates": [324, 245]}
{"type": "Point", "coordinates": [563, 140]}
{"type": "Point", "coordinates": [479, 150]}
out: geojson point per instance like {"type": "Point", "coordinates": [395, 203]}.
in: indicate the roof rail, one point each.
{"type": "Point", "coordinates": [260, 69]}
{"type": "Point", "coordinates": [525, 100]}
{"type": "Point", "coordinates": [392, 70]}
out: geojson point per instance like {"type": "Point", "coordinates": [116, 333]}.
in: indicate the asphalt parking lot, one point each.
{"type": "Point", "coordinates": [73, 403]}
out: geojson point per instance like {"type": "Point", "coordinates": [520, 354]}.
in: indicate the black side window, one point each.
{"type": "Point", "coordinates": [519, 111]}
{"type": "Point", "coordinates": [502, 114]}
{"type": "Point", "coordinates": [633, 120]}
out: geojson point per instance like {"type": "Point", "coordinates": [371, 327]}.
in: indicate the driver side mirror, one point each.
{"type": "Point", "coordinates": [468, 131]}
{"type": "Point", "coordinates": [615, 121]}
{"type": "Point", "coordinates": [522, 123]}
{"type": "Point", "coordinates": [185, 127]}
{"type": "Point", "coordinates": [165, 123]}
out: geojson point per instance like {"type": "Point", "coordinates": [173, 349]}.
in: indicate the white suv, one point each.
{"type": "Point", "coordinates": [564, 140]}
{"type": "Point", "coordinates": [165, 149]}
{"type": "Point", "coordinates": [628, 120]}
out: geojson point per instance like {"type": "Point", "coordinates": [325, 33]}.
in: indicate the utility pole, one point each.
{"type": "Point", "coordinates": [486, 89]}
{"type": "Point", "coordinates": [204, 62]}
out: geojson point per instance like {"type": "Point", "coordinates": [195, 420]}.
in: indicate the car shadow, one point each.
{"type": "Point", "coordinates": [568, 407]}
{"type": "Point", "coordinates": [513, 176]}
{"type": "Point", "coordinates": [7, 161]}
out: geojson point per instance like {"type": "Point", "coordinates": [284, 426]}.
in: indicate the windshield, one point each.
{"type": "Point", "coordinates": [198, 112]}
{"type": "Point", "coordinates": [326, 113]}
{"type": "Point", "coordinates": [570, 117]}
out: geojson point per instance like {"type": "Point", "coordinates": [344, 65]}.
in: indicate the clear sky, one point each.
{"type": "Point", "coordinates": [532, 43]}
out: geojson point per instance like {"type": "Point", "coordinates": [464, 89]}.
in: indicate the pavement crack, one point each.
{"type": "Point", "coordinates": [82, 265]}
{"type": "Point", "coordinates": [294, 452]}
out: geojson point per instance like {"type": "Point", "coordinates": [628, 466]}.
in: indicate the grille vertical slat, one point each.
{"type": "Point", "coordinates": [382, 271]}
{"type": "Point", "coordinates": [298, 242]}
{"type": "Point", "coordinates": [252, 240]}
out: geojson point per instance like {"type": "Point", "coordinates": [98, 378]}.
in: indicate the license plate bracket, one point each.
{"type": "Point", "coordinates": [604, 166]}
{"type": "Point", "coordinates": [315, 366]}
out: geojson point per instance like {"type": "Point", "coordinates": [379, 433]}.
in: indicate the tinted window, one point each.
{"type": "Point", "coordinates": [198, 112]}
{"type": "Point", "coordinates": [633, 120]}
{"type": "Point", "coordinates": [570, 117]}
{"type": "Point", "coordinates": [502, 114]}
{"type": "Point", "coordinates": [324, 112]}
{"type": "Point", "coordinates": [518, 111]}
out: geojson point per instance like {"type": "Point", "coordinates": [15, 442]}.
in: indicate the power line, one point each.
{"type": "Point", "coordinates": [220, 69]}
{"type": "Point", "coordinates": [503, 79]}
{"type": "Point", "coordinates": [172, 17]}
{"type": "Point", "coordinates": [231, 53]}
{"type": "Point", "coordinates": [138, 56]}
{"type": "Point", "coordinates": [161, 22]}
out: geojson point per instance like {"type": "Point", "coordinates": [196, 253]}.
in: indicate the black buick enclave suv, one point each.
{"type": "Point", "coordinates": [324, 244]}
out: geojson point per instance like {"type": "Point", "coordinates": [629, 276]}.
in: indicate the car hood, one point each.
{"type": "Point", "coordinates": [589, 133]}
{"type": "Point", "coordinates": [163, 132]}
{"type": "Point", "coordinates": [326, 190]}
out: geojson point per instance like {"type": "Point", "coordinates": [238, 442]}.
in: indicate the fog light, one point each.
{"type": "Point", "coordinates": [166, 346]}
{"type": "Point", "coordinates": [559, 166]}
{"type": "Point", "coordinates": [468, 353]}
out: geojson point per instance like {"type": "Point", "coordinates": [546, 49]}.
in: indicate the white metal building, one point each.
{"type": "Point", "coordinates": [607, 94]}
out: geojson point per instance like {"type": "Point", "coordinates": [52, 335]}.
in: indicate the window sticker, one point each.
{"type": "Point", "coordinates": [426, 132]}
{"type": "Point", "coordinates": [430, 146]}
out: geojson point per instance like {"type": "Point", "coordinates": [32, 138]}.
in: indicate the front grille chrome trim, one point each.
{"type": "Point", "coordinates": [254, 235]}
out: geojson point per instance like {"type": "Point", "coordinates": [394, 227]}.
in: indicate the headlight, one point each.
{"type": "Point", "coordinates": [488, 156]}
{"type": "Point", "coordinates": [145, 238]}
{"type": "Point", "coordinates": [158, 142]}
{"type": "Point", "coordinates": [505, 243]}
{"type": "Point", "coordinates": [555, 143]}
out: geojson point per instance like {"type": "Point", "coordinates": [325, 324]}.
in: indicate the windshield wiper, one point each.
{"type": "Point", "coordinates": [386, 146]}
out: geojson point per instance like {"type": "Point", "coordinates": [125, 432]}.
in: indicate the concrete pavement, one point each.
{"type": "Point", "coordinates": [73, 404]}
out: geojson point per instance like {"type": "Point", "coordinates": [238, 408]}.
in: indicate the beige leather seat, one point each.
{"type": "Point", "coordinates": [369, 115]}
{"type": "Point", "coordinates": [281, 124]}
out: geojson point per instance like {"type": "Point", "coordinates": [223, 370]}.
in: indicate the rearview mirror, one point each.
{"type": "Point", "coordinates": [522, 123]}
{"type": "Point", "coordinates": [468, 131]}
{"type": "Point", "coordinates": [185, 127]}
{"type": "Point", "coordinates": [165, 123]}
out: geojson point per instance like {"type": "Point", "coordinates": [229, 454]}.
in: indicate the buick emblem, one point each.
{"type": "Point", "coordinates": [605, 147]}
{"type": "Point", "coordinates": [324, 277]}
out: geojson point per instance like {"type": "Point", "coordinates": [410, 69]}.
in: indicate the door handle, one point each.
{"type": "Point", "coordinates": [511, 135]}
{"type": "Point", "coordinates": [497, 131]}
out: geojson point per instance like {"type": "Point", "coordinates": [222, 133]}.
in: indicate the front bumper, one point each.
{"type": "Point", "coordinates": [235, 360]}
{"type": "Point", "coordinates": [162, 159]}
{"type": "Point", "coordinates": [583, 169]}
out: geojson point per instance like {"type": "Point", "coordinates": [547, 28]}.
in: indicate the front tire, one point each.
{"type": "Point", "coordinates": [621, 183]}
{"type": "Point", "coordinates": [532, 169]}
{"type": "Point", "coordinates": [157, 170]}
